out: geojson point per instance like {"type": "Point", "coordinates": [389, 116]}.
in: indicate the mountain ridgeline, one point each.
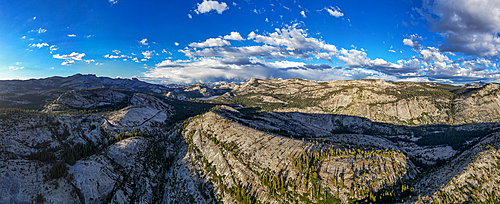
{"type": "Point", "coordinates": [88, 139]}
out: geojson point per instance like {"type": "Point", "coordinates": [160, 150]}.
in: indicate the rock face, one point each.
{"type": "Point", "coordinates": [200, 91]}
{"type": "Point", "coordinates": [80, 158]}
{"type": "Point", "coordinates": [397, 103]}
{"type": "Point", "coordinates": [472, 176]}
{"type": "Point", "coordinates": [272, 168]}
{"type": "Point", "coordinates": [77, 81]}
{"type": "Point", "coordinates": [86, 99]}
{"type": "Point", "coordinates": [143, 109]}
{"type": "Point", "coordinates": [276, 141]}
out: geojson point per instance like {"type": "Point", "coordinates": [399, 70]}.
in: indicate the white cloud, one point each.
{"type": "Point", "coordinates": [216, 69]}
{"type": "Point", "coordinates": [208, 5]}
{"type": "Point", "coordinates": [272, 54]}
{"type": "Point", "coordinates": [73, 56]}
{"type": "Point", "coordinates": [147, 54]}
{"type": "Point", "coordinates": [211, 42]}
{"type": "Point", "coordinates": [39, 45]}
{"type": "Point", "coordinates": [413, 41]}
{"type": "Point", "coordinates": [88, 36]}
{"type": "Point", "coordinates": [408, 42]}
{"type": "Point", "coordinates": [165, 51]}
{"type": "Point", "coordinates": [234, 36]}
{"type": "Point", "coordinates": [71, 35]}
{"type": "Point", "coordinates": [53, 48]}
{"type": "Point", "coordinates": [89, 61]}
{"type": "Point", "coordinates": [190, 16]}
{"type": "Point", "coordinates": [433, 54]}
{"type": "Point", "coordinates": [286, 42]}
{"type": "Point", "coordinates": [116, 56]}
{"type": "Point", "coordinates": [303, 13]}
{"type": "Point", "coordinates": [144, 41]}
{"type": "Point", "coordinates": [117, 51]}
{"type": "Point", "coordinates": [40, 30]}
{"type": "Point", "coordinates": [113, 2]}
{"type": "Point", "coordinates": [334, 12]}
{"type": "Point", "coordinates": [15, 68]}
{"type": "Point", "coordinates": [24, 37]}
{"type": "Point", "coordinates": [69, 62]}
{"type": "Point", "coordinates": [176, 43]}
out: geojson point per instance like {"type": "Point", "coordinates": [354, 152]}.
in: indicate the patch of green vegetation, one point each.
{"type": "Point", "coordinates": [185, 109]}
{"type": "Point", "coordinates": [390, 194]}
{"type": "Point", "coordinates": [71, 154]}
{"type": "Point", "coordinates": [58, 170]}
{"type": "Point", "coordinates": [447, 135]}
{"type": "Point", "coordinates": [122, 135]}
{"type": "Point", "coordinates": [43, 156]}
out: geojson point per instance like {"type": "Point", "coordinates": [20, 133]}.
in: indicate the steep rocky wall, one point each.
{"type": "Point", "coordinates": [277, 169]}
{"type": "Point", "coordinates": [397, 103]}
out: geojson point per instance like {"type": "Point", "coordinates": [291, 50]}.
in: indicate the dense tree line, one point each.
{"type": "Point", "coordinates": [78, 151]}
{"type": "Point", "coordinates": [449, 136]}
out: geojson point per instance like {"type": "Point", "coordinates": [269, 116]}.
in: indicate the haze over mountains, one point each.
{"type": "Point", "coordinates": [89, 139]}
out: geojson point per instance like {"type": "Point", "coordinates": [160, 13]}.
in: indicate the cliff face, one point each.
{"type": "Point", "coordinates": [397, 103]}
{"type": "Point", "coordinates": [84, 158]}
{"type": "Point", "coordinates": [276, 169]}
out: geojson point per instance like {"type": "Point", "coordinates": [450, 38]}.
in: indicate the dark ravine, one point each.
{"type": "Point", "coordinates": [102, 140]}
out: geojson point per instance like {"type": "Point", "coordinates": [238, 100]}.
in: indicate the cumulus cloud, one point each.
{"type": "Point", "coordinates": [303, 13]}
{"type": "Point", "coordinates": [53, 48]}
{"type": "Point", "coordinates": [271, 54]}
{"type": "Point", "coordinates": [113, 2]}
{"type": "Point", "coordinates": [413, 41]}
{"type": "Point", "coordinates": [40, 30]}
{"type": "Point", "coordinates": [218, 60]}
{"type": "Point", "coordinates": [286, 42]}
{"type": "Point", "coordinates": [213, 69]}
{"type": "Point", "coordinates": [234, 36]}
{"type": "Point", "coordinates": [190, 16]}
{"type": "Point", "coordinates": [144, 41]}
{"type": "Point", "coordinates": [71, 35]}
{"type": "Point", "coordinates": [116, 56]}
{"type": "Point", "coordinates": [69, 62]}
{"type": "Point", "coordinates": [89, 61]}
{"type": "Point", "coordinates": [72, 56]}
{"type": "Point", "coordinates": [15, 68]}
{"type": "Point", "coordinates": [39, 45]}
{"type": "Point", "coordinates": [211, 42]}
{"type": "Point", "coordinates": [147, 54]}
{"type": "Point", "coordinates": [471, 27]}
{"type": "Point", "coordinates": [176, 43]}
{"type": "Point", "coordinates": [208, 5]}
{"type": "Point", "coordinates": [117, 51]}
{"type": "Point", "coordinates": [334, 12]}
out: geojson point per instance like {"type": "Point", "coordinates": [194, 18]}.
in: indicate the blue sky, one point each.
{"type": "Point", "coordinates": [202, 41]}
